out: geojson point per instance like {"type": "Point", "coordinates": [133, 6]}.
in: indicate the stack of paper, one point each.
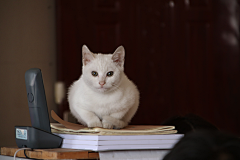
{"type": "Point", "coordinates": [103, 143]}
{"type": "Point", "coordinates": [77, 136]}
{"type": "Point", "coordinates": [72, 128]}
{"type": "Point", "coordinates": [128, 130]}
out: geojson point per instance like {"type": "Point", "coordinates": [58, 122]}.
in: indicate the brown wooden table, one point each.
{"type": "Point", "coordinates": [59, 153]}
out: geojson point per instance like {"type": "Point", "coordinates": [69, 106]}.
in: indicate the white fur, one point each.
{"type": "Point", "coordinates": [109, 106]}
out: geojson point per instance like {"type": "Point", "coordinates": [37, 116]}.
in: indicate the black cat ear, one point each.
{"type": "Point", "coordinates": [87, 55]}
{"type": "Point", "coordinates": [118, 56]}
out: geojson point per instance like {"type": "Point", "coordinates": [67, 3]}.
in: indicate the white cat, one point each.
{"type": "Point", "coordinates": [103, 96]}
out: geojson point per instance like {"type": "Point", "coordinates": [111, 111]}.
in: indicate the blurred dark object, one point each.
{"type": "Point", "coordinates": [206, 145]}
{"type": "Point", "coordinates": [188, 123]}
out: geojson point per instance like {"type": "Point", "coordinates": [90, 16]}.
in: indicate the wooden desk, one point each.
{"type": "Point", "coordinates": [58, 153]}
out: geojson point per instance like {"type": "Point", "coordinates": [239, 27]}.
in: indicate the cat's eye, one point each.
{"type": "Point", "coordinates": [109, 74]}
{"type": "Point", "coordinates": [94, 73]}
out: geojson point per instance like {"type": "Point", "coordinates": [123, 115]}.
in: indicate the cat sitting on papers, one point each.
{"type": "Point", "coordinates": [103, 96]}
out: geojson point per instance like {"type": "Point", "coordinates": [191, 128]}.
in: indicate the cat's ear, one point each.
{"type": "Point", "coordinates": [87, 55]}
{"type": "Point", "coordinates": [118, 56]}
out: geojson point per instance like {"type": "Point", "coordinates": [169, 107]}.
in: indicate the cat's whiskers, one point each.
{"type": "Point", "coordinates": [115, 86]}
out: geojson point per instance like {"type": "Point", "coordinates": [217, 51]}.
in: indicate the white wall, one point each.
{"type": "Point", "coordinates": [27, 40]}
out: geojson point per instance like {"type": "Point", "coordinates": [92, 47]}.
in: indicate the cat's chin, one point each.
{"type": "Point", "coordinates": [102, 90]}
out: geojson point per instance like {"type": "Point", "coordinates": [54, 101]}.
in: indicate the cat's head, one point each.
{"type": "Point", "coordinates": [103, 72]}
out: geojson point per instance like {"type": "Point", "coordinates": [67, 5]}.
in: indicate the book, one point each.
{"type": "Point", "coordinates": [120, 137]}
{"type": "Point", "coordinates": [122, 142]}
{"type": "Point", "coordinates": [117, 147]}
{"type": "Point", "coordinates": [119, 142]}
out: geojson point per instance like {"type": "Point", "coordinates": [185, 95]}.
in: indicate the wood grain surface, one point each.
{"type": "Point", "coordinates": [58, 153]}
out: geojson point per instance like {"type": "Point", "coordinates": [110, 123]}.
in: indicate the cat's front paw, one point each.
{"type": "Point", "coordinates": [119, 125]}
{"type": "Point", "coordinates": [94, 124]}
{"type": "Point", "coordinates": [107, 125]}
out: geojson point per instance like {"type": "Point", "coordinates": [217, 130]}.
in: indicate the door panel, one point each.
{"type": "Point", "coordinates": [176, 53]}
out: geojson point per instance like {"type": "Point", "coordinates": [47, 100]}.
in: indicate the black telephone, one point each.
{"type": "Point", "coordinates": [39, 134]}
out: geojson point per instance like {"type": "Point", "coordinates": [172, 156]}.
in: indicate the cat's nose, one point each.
{"type": "Point", "coordinates": [101, 83]}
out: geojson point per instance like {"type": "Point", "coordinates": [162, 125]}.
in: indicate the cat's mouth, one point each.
{"type": "Point", "coordinates": [102, 89]}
